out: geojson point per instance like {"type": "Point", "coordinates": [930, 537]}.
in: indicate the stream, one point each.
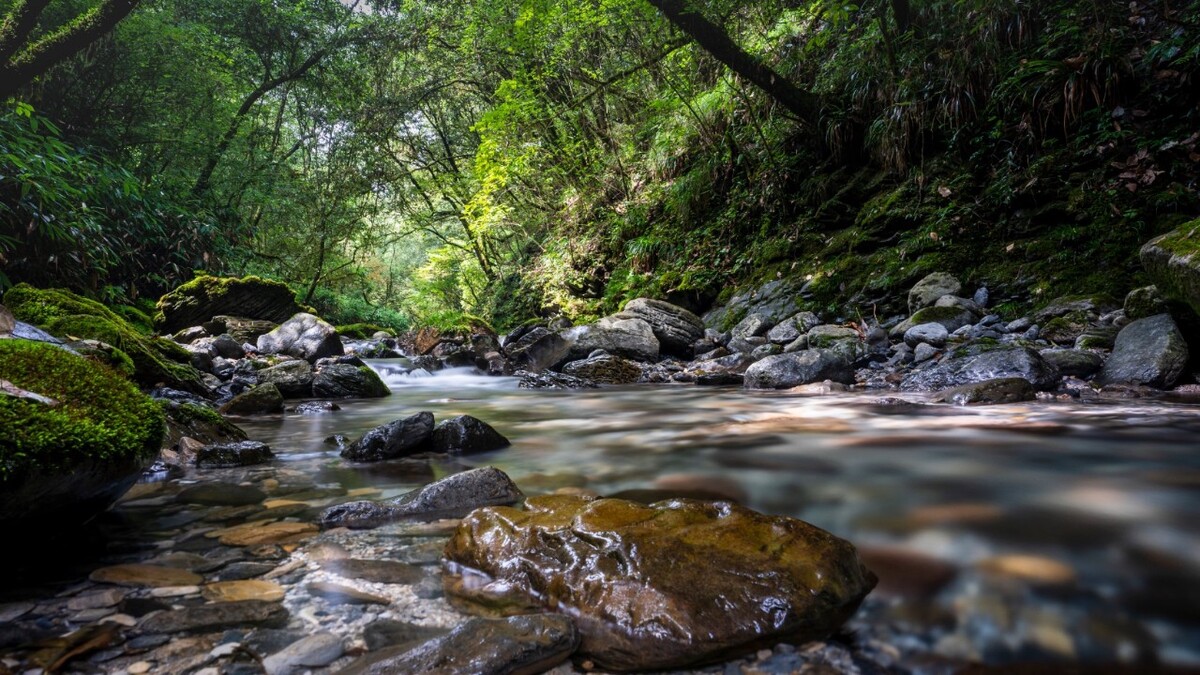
{"type": "Point", "coordinates": [1047, 531]}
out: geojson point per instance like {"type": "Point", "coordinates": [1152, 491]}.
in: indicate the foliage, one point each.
{"type": "Point", "coordinates": [100, 416]}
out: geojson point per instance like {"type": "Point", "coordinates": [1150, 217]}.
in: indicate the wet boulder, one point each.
{"type": "Point", "coordinates": [628, 338]}
{"type": "Point", "coordinates": [537, 349]}
{"type": "Point", "coordinates": [451, 497]}
{"type": "Point", "coordinates": [988, 392]}
{"type": "Point", "coordinates": [240, 453]}
{"type": "Point", "coordinates": [265, 398]}
{"type": "Point", "coordinates": [293, 378]}
{"type": "Point", "coordinates": [1149, 352]}
{"type": "Point", "coordinates": [932, 334]}
{"type": "Point", "coordinates": [669, 585]}
{"type": "Point", "coordinates": [676, 328]}
{"type": "Point", "coordinates": [303, 336]}
{"type": "Point", "coordinates": [398, 438]}
{"type": "Point", "coordinates": [970, 368]}
{"type": "Point", "coordinates": [345, 380]}
{"type": "Point", "coordinates": [784, 371]}
{"type": "Point", "coordinates": [1073, 362]}
{"type": "Point", "coordinates": [550, 380]}
{"type": "Point", "coordinates": [466, 435]}
{"type": "Point", "coordinates": [605, 369]}
{"type": "Point", "coordinates": [927, 291]}
{"type": "Point", "coordinates": [793, 327]}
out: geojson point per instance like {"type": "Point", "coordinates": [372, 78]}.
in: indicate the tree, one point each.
{"type": "Point", "coordinates": [24, 57]}
{"type": "Point", "coordinates": [802, 103]}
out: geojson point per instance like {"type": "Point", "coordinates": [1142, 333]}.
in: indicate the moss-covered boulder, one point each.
{"type": "Point", "coordinates": [67, 315]}
{"type": "Point", "coordinates": [71, 450]}
{"type": "Point", "coordinates": [204, 297]}
{"type": "Point", "coordinates": [673, 584]}
{"type": "Point", "coordinates": [1173, 262]}
{"type": "Point", "coordinates": [363, 331]}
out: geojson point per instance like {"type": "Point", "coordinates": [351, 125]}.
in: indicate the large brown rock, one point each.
{"type": "Point", "coordinates": [204, 297]}
{"type": "Point", "coordinates": [673, 584]}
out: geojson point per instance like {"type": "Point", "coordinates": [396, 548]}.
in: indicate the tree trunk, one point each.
{"type": "Point", "coordinates": [26, 61]}
{"type": "Point", "coordinates": [801, 103]}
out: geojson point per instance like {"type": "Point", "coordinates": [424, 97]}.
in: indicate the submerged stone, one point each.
{"type": "Point", "coordinates": [398, 438]}
{"type": "Point", "coordinates": [519, 644]}
{"type": "Point", "coordinates": [451, 497]}
{"type": "Point", "coordinates": [242, 453]}
{"type": "Point", "coordinates": [677, 583]}
{"type": "Point", "coordinates": [466, 435]}
{"type": "Point", "coordinates": [1000, 390]}
{"type": "Point", "coordinates": [605, 369]}
{"type": "Point", "coordinates": [217, 616]}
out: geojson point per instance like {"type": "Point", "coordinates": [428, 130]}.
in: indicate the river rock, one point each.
{"type": "Point", "coordinates": [677, 583]}
{"type": "Point", "coordinates": [793, 327]}
{"type": "Point", "coordinates": [784, 371]}
{"type": "Point", "coordinates": [236, 591]}
{"type": "Point", "coordinates": [344, 380]}
{"type": "Point", "coordinates": [303, 336]}
{"type": "Point", "coordinates": [630, 338]}
{"type": "Point", "coordinates": [451, 497]}
{"type": "Point", "coordinates": [263, 399]}
{"type": "Point", "coordinates": [466, 435]}
{"type": "Point", "coordinates": [951, 318]}
{"type": "Point", "coordinates": [199, 300]}
{"type": "Point", "coordinates": [345, 595]}
{"type": "Point", "coordinates": [1000, 390]}
{"type": "Point", "coordinates": [376, 571]}
{"type": "Point", "coordinates": [773, 302]}
{"type": "Point", "coordinates": [932, 334]}
{"type": "Point", "coordinates": [1144, 302]}
{"type": "Point", "coordinates": [827, 335]}
{"type": "Point", "coordinates": [221, 494]}
{"type": "Point", "coordinates": [550, 380]}
{"type": "Point", "coordinates": [398, 438]}
{"type": "Point", "coordinates": [243, 330]}
{"type": "Point", "coordinates": [216, 617]}
{"type": "Point", "coordinates": [293, 378]}
{"type": "Point", "coordinates": [1001, 362]}
{"type": "Point", "coordinates": [257, 534]}
{"type": "Point", "coordinates": [1173, 262]}
{"type": "Point", "coordinates": [605, 369]}
{"type": "Point", "coordinates": [537, 349]}
{"type": "Point", "coordinates": [314, 651]}
{"type": "Point", "coordinates": [153, 576]}
{"type": "Point", "coordinates": [1149, 352]}
{"type": "Point", "coordinates": [242, 453]}
{"type": "Point", "coordinates": [676, 328]}
{"type": "Point", "coordinates": [532, 643]}
{"type": "Point", "coordinates": [729, 369]}
{"type": "Point", "coordinates": [1073, 362]}
{"type": "Point", "coordinates": [927, 291]}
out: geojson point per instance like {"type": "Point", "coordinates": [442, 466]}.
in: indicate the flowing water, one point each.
{"type": "Point", "coordinates": [1004, 534]}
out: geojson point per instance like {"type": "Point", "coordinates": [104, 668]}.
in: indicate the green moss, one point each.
{"type": "Point", "coordinates": [135, 318]}
{"type": "Point", "coordinates": [1184, 241]}
{"type": "Point", "coordinates": [207, 289]}
{"type": "Point", "coordinates": [112, 357]}
{"type": "Point", "coordinates": [64, 314]}
{"type": "Point", "coordinates": [100, 415]}
{"type": "Point", "coordinates": [362, 331]}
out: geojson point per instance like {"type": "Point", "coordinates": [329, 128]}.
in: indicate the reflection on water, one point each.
{"type": "Point", "coordinates": [1001, 533]}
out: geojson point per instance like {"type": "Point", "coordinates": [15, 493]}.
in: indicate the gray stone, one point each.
{"type": "Point", "coordinates": [315, 408]}
{"type": "Point", "coordinates": [531, 643]}
{"type": "Point", "coordinates": [932, 334]}
{"type": "Point", "coordinates": [629, 338]}
{"type": "Point", "coordinates": [343, 380]}
{"type": "Point", "coordinates": [227, 347]}
{"type": "Point", "coordinates": [451, 497]}
{"type": "Point", "coordinates": [752, 325]}
{"type": "Point", "coordinates": [789, 370]}
{"type": "Point", "coordinates": [314, 651]}
{"type": "Point", "coordinates": [1073, 362]}
{"type": "Point", "coordinates": [763, 351]}
{"type": "Point", "coordinates": [1019, 325]}
{"type": "Point", "coordinates": [827, 334]}
{"type": "Point", "coordinates": [923, 352]}
{"type": "Point", "coordinates": [265, 398]}
{"type": "Point", "coordinates": [294, 378]}
{"type": "Point", "coordinates": [398, 438]}
{"type": "Point", "coordinates": [676, 328]}
{"type": "Point", "coordinates": [981, 296]}
{"type": "Point", "coordinates": [216, 617]}
{"type": "Point", "coordinates": [243, 453]}
{"type": "Point", "coordinates": [303, 336]}
{"type": "Point", "coordinates": [466, 435]}
{"type": "Point", "coordinates": [793, 327]}
{"type": "Point", "coordinates": [928, 290]}
{"type": "Point", "coordinates": [1150, 352]}
{"type": "Point", "coordinates": [550, 380]}
{"type": "Point", "coordinates": [605, 369]}
{"type": "Point", "coordinates": [376, 571]}
{"type": "Point", "coordinates": [961, 303]}
{"type": "Point", "coordinates": [989, 392]}
{"type": "Point", "coordinates": [978, 367]}
{"type": "Point", "coordinates": [537, 350]}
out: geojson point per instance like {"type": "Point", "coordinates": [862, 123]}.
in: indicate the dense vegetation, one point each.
{"type": "Point", "coordinates": [400, 161]}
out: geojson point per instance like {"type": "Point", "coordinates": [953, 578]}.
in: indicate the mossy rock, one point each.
{"type": "Point", "coordinates": [65, 314]}
{"type": "Point", "coordinates": [1173, 262]}
{"type": "Point", "coordinates": [204, 297]}
{"type": "Point", "coordinates": [67, 461]}
{"type": "Point", "coordinates": [136, 318]}
{"type": "Point", "coordinates": [1066, 328]}
{"type": "Point", "coordinates": [362, 331]}
{"type": "Point", "coordinates": [196, 421]}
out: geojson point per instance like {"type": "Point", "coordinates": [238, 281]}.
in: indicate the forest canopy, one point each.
{"type": "Point", "coordinates": [402, 162]}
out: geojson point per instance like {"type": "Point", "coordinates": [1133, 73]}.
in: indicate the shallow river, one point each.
{"type": "Point", "coordinates": [1004, 534]}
